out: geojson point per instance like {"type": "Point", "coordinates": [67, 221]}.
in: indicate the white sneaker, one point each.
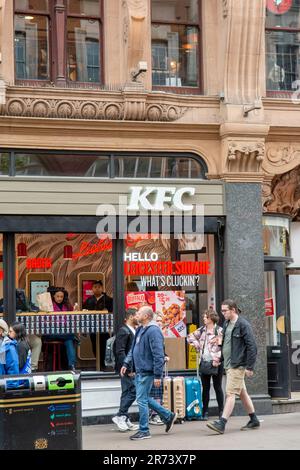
{"type": "Point", "coordinates": [131, 426]}
{"type": "Point", "coordinates": [120, 421]}
{"type": "Point", "coordinates": [156, 420]}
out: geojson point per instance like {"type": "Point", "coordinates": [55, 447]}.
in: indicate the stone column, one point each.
{"type": "Point", "coordinates": [60, 69]}
{"type": "Point", "coordinates": [244, 272]}
{"type": "Point", "coordinates": [243, 156]}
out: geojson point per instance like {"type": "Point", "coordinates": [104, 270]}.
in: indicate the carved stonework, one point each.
{"type": "Point", "coordinates": [119, 107]}
{"type": "Point", "coordinates": [283, 194]}
{"type": "Point", "coordinates": [282, 154]}
{"type": "Point", "coordinates": [245, 157]}
{"type": "Point", "coordinates": [225, 8]}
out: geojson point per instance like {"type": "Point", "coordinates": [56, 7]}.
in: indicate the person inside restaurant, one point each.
{"type": "Point", "coordinates": [61, 303]}
{"type": "Point", "coordinates": [99, 301]}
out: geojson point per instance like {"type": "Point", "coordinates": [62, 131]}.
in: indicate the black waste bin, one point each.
{"type": "Point", "coordinates": [40, 411]}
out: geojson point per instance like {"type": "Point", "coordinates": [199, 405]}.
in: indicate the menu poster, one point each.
{"type": "Point", "coordinates": [87, 290]}
{"type": "Point", "coordinates": [171, 313]}
{"type": "Point", "coordinates": [36, 288]}
{"type": "Point", "coordinates": [169, 307]}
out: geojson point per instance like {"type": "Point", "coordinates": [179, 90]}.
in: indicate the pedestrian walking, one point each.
{"type": "Point", "coordinates": [207, 341]}
{"type": "Point", "coordinates": [146, 359]}
{"type": "Point", "coordinates": [239, 353]}
{"type": "Point", "coordinates": [157, 394]}
{"type": "Point", "coordinates": [122, 345]}
{"type": "Point", "coordinates": [9, 360]}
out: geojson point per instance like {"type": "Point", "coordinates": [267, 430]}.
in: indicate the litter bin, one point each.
{"type": "Point", "coordinates": [40, 411]}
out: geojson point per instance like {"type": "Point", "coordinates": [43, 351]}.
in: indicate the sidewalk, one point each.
{"type": "Point", "coordinates": [280, 432]}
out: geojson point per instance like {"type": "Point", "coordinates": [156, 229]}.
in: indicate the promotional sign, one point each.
{"type": "Point", "coordinates": [192, 353]}
{"type": "Point", "coordinates": [169, 307]}
{"type": "Point", "coordinates": [279, 7]}
{"type": "Point", "coordinates": [36, 288]}
{"type": "Point", "coordinates": [87, 290]}
{"type": "Point", "coordinates": [269, 307]}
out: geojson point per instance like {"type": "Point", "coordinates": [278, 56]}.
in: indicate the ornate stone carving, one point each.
{"type": "Point", "coordinates": [244, 157]}
{"type": "Point", "coordinates": [122, 106]}
{"type": "Point", "coordinates": [282, 154]}
{"type": "Point", "coordinates": [283, 194]}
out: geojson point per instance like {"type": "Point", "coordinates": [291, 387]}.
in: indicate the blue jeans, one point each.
{"type": "Point", "coordinates": [143, 385]}
{"type": "Point", "coordinates": [128, 395]}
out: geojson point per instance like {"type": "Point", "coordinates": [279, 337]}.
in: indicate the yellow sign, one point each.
{"type": "Point", "coordinates": [192, 354]}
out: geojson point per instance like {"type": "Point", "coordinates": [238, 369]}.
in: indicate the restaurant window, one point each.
{"type": "Point", "coordinates": [83, 41]}
{"type": "Point", "coordinates": [32, 53]}
{"type": "Point", "coordinates": [57, 278]}
{"type": "Point", "coordinates": [178, 300]}
{"type": "Point", "coordinates": [37, 34]}
{"type": "Point", "coordinates": [276, 235]}
{"type": "Point", "coordinates": [175, 44]}
{"type": "Point", "coordinates": [92, 165]}
{"type": "Point", "coordinates": [282, 46]}
{"type": "Point", "coordinates": [159, 167]}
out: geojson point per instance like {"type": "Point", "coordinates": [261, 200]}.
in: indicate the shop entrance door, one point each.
{"type": "Point", "coordinates": [277, 327]}
{"type": "Point", "coordinates": [294, 297]}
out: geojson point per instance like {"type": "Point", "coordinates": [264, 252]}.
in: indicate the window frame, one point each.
{"type": "Point", "coordinates": [57, 36]}
{"type": "Point", "coordinates": [49, 15]}
{"type": "Point", "coordinates": [98, 18]}
{"type": "Point", "coordinates": [278, 93]}
{"type": "Point", "coordinates": [184, 89]}
{"type": "Point", "coordinates": [113, 156]}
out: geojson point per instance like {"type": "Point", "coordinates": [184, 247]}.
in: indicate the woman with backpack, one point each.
{"type": "Point", "coordinates": [207, 341]}
{"type": "Point", "coordinates": [17, 332]}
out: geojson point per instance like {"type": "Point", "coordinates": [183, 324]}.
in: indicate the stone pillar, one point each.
{"type": "Point", "coordinates": [60, 69]}
{"type": "Point", "coordinates": [6, 46]}
{"type": "Point", "coordinates": [244, 267]}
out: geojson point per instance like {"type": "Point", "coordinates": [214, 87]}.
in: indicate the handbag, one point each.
{"type": "Point", "coordinates": [207, 367]}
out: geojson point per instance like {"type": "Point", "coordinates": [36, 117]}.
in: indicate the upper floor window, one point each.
{"type": "Point", "coordinates": [176, 44]}
{"type": "Point", "coordinates": [32, 21]}
{"type": "Point", "coordinates": [67, 36]}
{"type": "Point", "coordinates": [282, 45]}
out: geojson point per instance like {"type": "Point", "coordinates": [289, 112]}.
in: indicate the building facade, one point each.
{"type": "Point", "coordinates": [98, 96]}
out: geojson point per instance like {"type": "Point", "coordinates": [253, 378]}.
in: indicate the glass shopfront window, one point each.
{"type": "Point", "coordinates": [63, 282]}
{"type": "Point", "coordinates": [166, 277]}
{"type": "Point", "coordinates": [276, 236]}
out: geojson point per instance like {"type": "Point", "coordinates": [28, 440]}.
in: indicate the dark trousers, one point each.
{"type": "Point", "coordinates": [217, 382]}
{"type": "Point", "coordinates": [103, 338]}
{"type": "Point", "coordinates": [128, 395]}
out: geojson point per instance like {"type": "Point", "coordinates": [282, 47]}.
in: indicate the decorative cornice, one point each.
{"type": "Point", "coordinates": [117, 106]}
{"type": "Point", "coordinates": [250, 177]}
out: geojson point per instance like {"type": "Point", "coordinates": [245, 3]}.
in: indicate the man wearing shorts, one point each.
{"type": "Point", "coordinates": [239, 353]}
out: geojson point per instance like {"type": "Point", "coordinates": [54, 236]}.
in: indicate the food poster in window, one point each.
{"type": "Point", "coordinates": [169, 308]}
{"type": "Point", "coordinates": [171, 313]}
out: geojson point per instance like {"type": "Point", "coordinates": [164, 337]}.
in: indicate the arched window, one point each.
{"type": "Point", "coordinates": [42, 163]}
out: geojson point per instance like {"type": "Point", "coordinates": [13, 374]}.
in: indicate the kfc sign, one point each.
{"type": "Point", "coordinates": [152, 198]}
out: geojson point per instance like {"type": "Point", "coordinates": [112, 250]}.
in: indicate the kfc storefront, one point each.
{"type": "Point", "coordinates": [148, 227]}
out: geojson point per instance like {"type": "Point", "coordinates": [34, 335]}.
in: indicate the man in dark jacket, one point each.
{"type": "Point", "coordinates": [239, 353]}
{"type": "Point", "coordinates": [99, 301]}
{"type": "Point", "coordinates": [122, 346]}
{"type": "Point", "coordinates": [146, 358]}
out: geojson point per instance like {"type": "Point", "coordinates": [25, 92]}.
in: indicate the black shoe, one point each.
{"type": "Point", "coordinates": [204, 417]}
{"type": "Point", "coordinates": [252, 424]}
{"type": "Point", "coordinates": [138, 436]}
{"type": "Point", "coordinates": [218, 426]}
{"type": "Point", "coordinates": [171, 421]}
